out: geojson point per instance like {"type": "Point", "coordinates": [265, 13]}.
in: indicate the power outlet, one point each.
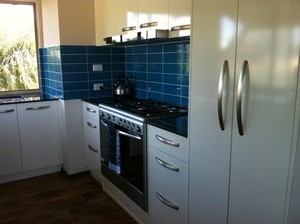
{"type": "Point", "coordinates": [98, 86]}
{"type": "Point", "coordinates": [98, 68]}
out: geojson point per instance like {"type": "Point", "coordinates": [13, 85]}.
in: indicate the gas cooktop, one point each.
{"type": "Point", "coordinates": [144, 108]}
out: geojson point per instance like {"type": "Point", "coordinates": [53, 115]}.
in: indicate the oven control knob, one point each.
{"type": "Point", "coordinates": [138, 129]}
{"type": "Point", "coordinates": [101, 114]}
{"type": "Point", "coordinates": [108, 117]}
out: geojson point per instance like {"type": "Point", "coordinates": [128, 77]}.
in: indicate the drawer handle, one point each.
{"type": "Point", "coordinates": [7, 111]}
{"type": "Point", "coordinates": [166, 202]}
{"type": "Point", "coordinates": [90, 110]}
{"type": "Point", "coordinates": [147, 25]}
{"type": "Point", "coordinates": [167, 141]}
{"type": "Point", "coordinates": [128, 28]}
{"type": "Point", "coordinates": [37, 108]}
{"type": "Point", "coordinates": [91, 125]}
{"type": "Point", "coordinates": [182, 27]}
{"type": "Point", "coordinates": [166, 165]}
{"type": "Point", "coordinates": [92, 149]}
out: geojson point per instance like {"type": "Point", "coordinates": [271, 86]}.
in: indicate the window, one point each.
{"type": "Point", "coordinates": [18, 49]}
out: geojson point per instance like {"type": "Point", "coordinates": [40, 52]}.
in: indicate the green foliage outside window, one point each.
{"type": "Point", "coordinates": [18, 68]}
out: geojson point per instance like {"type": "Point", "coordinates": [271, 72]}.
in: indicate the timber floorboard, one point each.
{"type": "Point", "coordinates": [57, 198]}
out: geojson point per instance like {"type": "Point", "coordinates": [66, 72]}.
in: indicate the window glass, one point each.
{"type": "Point", "coordinates": [18, 49]}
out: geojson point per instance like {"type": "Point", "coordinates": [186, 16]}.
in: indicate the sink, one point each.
{"type": "Point", "coordinates": [13, 99]}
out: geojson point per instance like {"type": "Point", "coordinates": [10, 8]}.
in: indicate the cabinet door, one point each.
{"type": "Point", "coordinates": [39, 135]}
{"type": "Point", "coordinates": [180, 12]}
{"type": "Point", "coordinates": [10, 154]}
{"type": "Point", "coordinates": [260, 158]}
{"type": "Point", "coordinates": [105, 20]}
{"type": "Point", "coordinates": [213, 42]}
{"type": "Point", "coordinates": [153, 11]}
{"type": "Point", "coordinates": [126, 15]}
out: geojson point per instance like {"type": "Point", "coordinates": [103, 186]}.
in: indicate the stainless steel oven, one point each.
{"type": "Point", "coordinates": [123, 142]}
{"type": "Point", "coordinates": [123, 156]}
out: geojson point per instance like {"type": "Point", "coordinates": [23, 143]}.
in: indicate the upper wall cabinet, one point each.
{"type": "Point", "coordinates": [105, 20]}
{"type": "Point", "coordinates": [115, 17]}
{"type": "Point", "coordinates": [180, 17]}
{"type": "Point", "coordinates": [126, 16]}
{"type": "Point", "coordinates": [154, 11]}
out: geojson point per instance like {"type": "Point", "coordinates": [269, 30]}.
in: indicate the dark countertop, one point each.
{"type": "Point", "coordinates": [177, 124]}
{"type": "Point", "coordinates": [25, 99]}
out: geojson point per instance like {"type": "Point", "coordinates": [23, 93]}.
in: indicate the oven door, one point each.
{"type": "Point", "coordinates": [123, 160]}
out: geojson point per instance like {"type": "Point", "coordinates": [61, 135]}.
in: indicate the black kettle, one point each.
{"type": "Point", "coordinates": [122, 87]}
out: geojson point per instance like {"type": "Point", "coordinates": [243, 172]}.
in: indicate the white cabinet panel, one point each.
{"type": "Point", "coordinates": [166, 207]}
{"type": "Point", "coordinates": [167, 171]}
{"type": "Point", "coordinates": [92, 137]}
{"type": "Point", "coordinates": [153, 11]}
{"type": "Point", "coordinates": [126, 15]}
{"type": "Point", "coordinates": [10, 154]}
{"type": "Point", "coordinates": [168, 142]}
{"type": "Point", "coordinates": [255, 165]}
{"type": "Point", "coordinates": [105, 20]}
{"type": "Point", "coordinates": [92, 152]}
{"type": "Point", "coordinates": [39, 134]}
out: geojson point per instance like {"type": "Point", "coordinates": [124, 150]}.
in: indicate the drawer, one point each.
{"type": "Point", "coordinates": [91, 111]}
{"type": "Point", "coordinates": [165, 207]}
{"type": "Point", "coordinates": [168, 172]}
{"type": "Point", "coordinates": [170, 143]}
{"type": "Point", "coordinates": [92, 155]}
{"type": "Point", "coordinates": [91, 129]}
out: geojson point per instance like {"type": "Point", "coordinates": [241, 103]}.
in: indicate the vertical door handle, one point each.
{"type": "Point", "coordinates": [223, 74]}
{"type": "Point", "coordinates": [240, 87]}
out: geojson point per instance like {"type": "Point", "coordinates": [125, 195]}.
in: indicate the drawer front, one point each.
{"type": "Point", "coordinates": [168, 172]}
{"type": "Point", "coordinates": [90, 110]}
{"type": "Point", "coordinates": [165, 207]}
{"type": "Point", "coordinates": [92, 153]}
{"type": "Point", "coordinates": [170, 143]}
{"type": "Point", "coordinates": [91, 129]}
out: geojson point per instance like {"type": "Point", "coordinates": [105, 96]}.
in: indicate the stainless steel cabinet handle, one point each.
{"type": "Point", "coordinates": [150, 24]}
{"type": "Point", "coordinates": [37, 108]}
{"type": "Point", "coordinates": [166, 141]}
{"type": "Point", "coordinates": [7, 111]}
{"type": "Point", "coordinates": [129, 135]}
{"type": "Point", "coordinates": [223, 74]}
{"type": "Point", "coordinates": [92, 149]}
{"type": "Point", "coordinates": [243, 73]}
{"type": "Point", "coordinates": [91, 125]}
{"type": "Point", "coordinates": [166, 165]}
{"type": "Point", "coordinates": [90, 110]}
{"type": "Point", "coordinates": [128, 28]}
{"type": "Point", "coordinates": [166, 202]}
{"type": "Point", "coordinates": [182, 27]}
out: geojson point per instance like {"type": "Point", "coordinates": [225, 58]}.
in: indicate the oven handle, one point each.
{"type": "Point", "coordinates": [102, 122]}
{"type": "Point", "coordinates": [130, 135]}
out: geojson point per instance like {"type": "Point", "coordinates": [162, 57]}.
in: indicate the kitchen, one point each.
{"type": "Point", "coordinates": [205, 199]}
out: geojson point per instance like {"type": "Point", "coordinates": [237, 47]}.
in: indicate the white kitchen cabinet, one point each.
{"type": "Point", "coordinates": [242, 174]}
{"type": "Point", "coordinates": [92, 137]}
{"type": "Point", "coordinates": [126, 15]}
{"type": "Point", "coordinates": [105, 20]}
{"type": "Point", "coordinates": [153, 11]}
{"type": "Point", "coordinates": [10, 154]}
{"type": "Point", "coordinates": [180, 12]}
{"type": "Point", "coordinates": [167, 176]}
{"type": "Point", "coordinates": [39, 135]}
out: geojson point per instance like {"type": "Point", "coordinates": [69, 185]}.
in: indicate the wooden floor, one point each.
{"type": "Point", "coordinates": [56, 198]}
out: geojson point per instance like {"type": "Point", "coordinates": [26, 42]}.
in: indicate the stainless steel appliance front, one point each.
{"type": "Point", "coordinates": [123, 156]}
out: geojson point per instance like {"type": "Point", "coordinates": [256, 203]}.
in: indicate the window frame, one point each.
{"type": "Point", "coordinates": [38, 39]}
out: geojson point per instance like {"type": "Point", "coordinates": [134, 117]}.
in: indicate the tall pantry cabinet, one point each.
{"type": "Point", "coordinates": [244, 111]}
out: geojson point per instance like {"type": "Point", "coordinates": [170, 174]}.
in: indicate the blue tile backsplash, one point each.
{"type": "Point", "coordinates": [158, 70]}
